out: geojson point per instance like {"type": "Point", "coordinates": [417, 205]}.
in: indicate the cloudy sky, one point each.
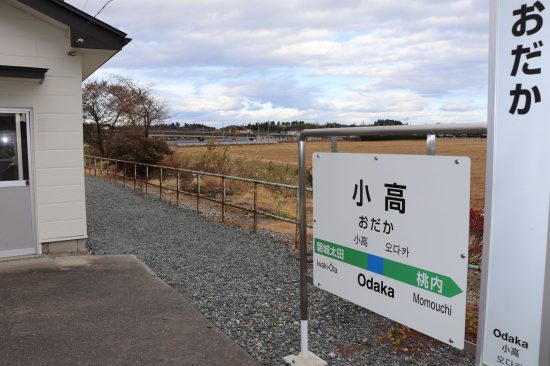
{"type": "Point", "coordinates": [355, 61]}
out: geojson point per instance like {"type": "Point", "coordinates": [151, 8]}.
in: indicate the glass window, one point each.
{"type": "Point", "coordinates": [24, 146]}
{"type": "Point", "coordinates": [9, 168]}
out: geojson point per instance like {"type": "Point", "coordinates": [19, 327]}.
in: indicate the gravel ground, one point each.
{"type": "Point", "coordinates": [247, 284]}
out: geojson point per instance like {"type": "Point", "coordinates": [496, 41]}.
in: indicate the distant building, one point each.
{"type": "Point", "coordinates": [47, 48]}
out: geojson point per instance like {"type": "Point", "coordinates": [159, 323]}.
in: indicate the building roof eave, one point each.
{"type": "Point", "coordinates": [85, 31]}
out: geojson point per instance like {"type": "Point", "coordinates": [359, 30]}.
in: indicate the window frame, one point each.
{"type": "Point", "coordinates": [19, 147]}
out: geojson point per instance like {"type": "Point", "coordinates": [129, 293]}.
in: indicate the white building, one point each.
{"type": "Point", "coordinates": [47, 47]}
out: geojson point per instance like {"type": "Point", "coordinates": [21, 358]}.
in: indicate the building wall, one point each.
{"type": "Point", "coordinates": [57, 120]}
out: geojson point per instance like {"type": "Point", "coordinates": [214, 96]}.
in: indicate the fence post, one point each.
{"type": "Point", "coordinates": [124, 174]}
{"type": "Point", "coordinates": [333, 144]}
{"type": "Point", "coordinates": [146, 178]}
{"type": "Point", "coordinates": [223, 199]}
{"type": "Point", "coordinates": [255, 206]}
{"type": "Point", "coordinates": [178, 189]}
{"type": "Point", "coordinates": [430, 144]}
{"type": "Point", "coordinates": [198, 191]}
{"type": "Point", "coordinates": [160, 185]}
{"type": "Point", "coordinates": [135, 175]}
{"type": "Point", "coordinates": [95, 167]}
{"type": "Point", "coordinates": [101, 166]}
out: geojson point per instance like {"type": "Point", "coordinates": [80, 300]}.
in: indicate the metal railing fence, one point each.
{"type": "Point", "coordinates": [141, 175]}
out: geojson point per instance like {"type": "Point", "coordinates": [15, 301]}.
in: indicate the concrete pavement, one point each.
{"type": "Point", "coordinates": [102, 310]}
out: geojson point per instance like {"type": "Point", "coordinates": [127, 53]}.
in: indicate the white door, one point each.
{"type": "Point", "coordinates": [17, 235]}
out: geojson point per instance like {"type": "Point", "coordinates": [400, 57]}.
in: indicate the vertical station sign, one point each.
{"type": "Point", "coordinates": [518, 185]}
{"type": "Point", "coordinates": [391, 235]}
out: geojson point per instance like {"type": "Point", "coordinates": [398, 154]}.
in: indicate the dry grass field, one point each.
{"type": "Point", "coordinates": [287, 153]}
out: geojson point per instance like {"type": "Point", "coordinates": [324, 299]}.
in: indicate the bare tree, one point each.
{"type": "Point", "coordinates": [138, 106]}
{"type": "Point", "coordinates": [119, 101]}
{"type": "Point", "coordinates": [100, 109]}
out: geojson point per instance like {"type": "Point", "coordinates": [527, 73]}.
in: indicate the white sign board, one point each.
{"type": "Point", "coordinates": [518, 171]}
{"type": "Point", "coordinates": [391, 235]}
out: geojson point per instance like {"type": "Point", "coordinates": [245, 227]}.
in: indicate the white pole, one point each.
{"type": "Point", "coordinates": [304, 339]}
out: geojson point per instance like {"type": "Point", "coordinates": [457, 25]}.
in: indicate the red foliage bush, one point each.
{"type": "Point", "coordinates": [477, 220]}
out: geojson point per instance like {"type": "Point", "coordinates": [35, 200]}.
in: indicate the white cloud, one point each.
{"type": "Point", "coordinates": [324, 60]}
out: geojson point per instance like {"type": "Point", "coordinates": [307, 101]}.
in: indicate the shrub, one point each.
{"type": "Point", "coordinates": [216, 161]}
{"type": "Point", "coordinates": [134, 147]}
{"type": "Point", "coordinates": [477, 221]}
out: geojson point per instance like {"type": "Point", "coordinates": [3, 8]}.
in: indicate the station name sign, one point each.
{"type": "Point", "coordinates": [515, 255]}
{"type": "Point", "coordinates": [391, 235]}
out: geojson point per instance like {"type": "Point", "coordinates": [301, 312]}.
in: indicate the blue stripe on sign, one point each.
{"type": "Point", "coordinates": [376, 264]}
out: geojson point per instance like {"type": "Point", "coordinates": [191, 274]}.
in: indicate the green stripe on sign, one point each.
{"type": "Point", "coordinates": [413, 276]}
{"type": "Point", "coordinates": [340, 253]}
{"type": "Point", "coordinates": [418, 277]}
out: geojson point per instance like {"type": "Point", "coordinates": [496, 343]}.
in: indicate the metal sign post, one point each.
{"type": "Point", "coordinates": [306, 357]}
{"type": "Point", "coordinates": [518, 185]}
